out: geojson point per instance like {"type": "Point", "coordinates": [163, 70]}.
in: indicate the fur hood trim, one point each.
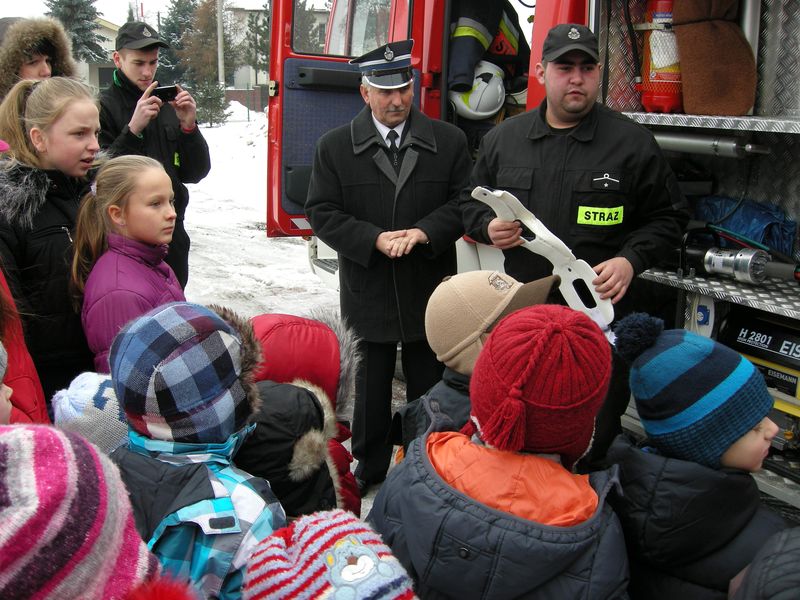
{"type": "Point", "coordinates": [313, 447]}
{"type": "Point", "coordinates": [251, 353]}
{"type": "Point", "coordinates": [23, 35]}
{"type": "Point", "coordinates": [24, 192]}
{"type": "Point", "coordinates": [349, 358]}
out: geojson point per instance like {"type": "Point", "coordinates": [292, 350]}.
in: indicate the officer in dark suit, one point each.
{"type": "Point", "coordinates": [383, 193]}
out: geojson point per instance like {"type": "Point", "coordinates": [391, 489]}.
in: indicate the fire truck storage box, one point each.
{"type": "Point", "coordinates": [770, 342]}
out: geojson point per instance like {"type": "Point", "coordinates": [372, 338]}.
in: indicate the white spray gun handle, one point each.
{"type": "Point", "coordinates": [570, 269]}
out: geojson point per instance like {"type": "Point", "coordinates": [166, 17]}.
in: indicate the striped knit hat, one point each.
{"type": "Point", "coordinates": [66, 525]}
{"type": "Point", "coordinates": [327, 554]}
{"type": "Point", "coordinates": [695, 397]}
{"type": "Point", "coordinates": [183, 372]}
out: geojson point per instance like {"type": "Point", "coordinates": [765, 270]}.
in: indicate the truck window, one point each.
{"type": "Point", "coordinates": [343, 27]}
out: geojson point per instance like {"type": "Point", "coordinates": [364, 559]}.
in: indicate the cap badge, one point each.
{"type": "Point", "coordinates": [146, 32]}
{"type": "Point", "coordinates": [573, 34]}
{"type": "Point", "coordinates": [388, 55]}
{"type": "Point", "coordinates": [498, 283]}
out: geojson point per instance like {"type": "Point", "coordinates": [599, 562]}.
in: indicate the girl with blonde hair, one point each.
{"type": "Point", "coordinates": [51, 127]}
{"type": "Point", "coordinates": [124, 227]}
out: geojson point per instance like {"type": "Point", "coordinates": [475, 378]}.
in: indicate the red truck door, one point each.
{"type": "Point", "coordinates": [313, 88]}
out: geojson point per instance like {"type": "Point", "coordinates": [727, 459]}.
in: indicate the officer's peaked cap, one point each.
{"type": "Point", "coordinates": [387, 67]}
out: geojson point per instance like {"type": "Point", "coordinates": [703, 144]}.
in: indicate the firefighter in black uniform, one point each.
{"type": "Point", "coordinates": [132, 121]}
{"type": "Point", "coordinates": [384, 194]}
{"type": "Point", "coordinates": [593, 177]}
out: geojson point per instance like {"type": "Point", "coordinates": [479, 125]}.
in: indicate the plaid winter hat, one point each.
{"type": "Point", "coordinates": [325, 554]}
{"type": "Point", "coordinates": [66, 525]}
{"type": "Point", "coordinates": [89, 407]}
{"type": "Point", "coordinates": [539, 382]}
{"type": "Point", "coordinates": [695, 397]}
{"type": "Point", "coordinates": [464, 308]}
{"type": "Point", "coordinates": [183, 372]}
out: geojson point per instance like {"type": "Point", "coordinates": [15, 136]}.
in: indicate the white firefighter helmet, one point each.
{"type": "Point", "coordinates": [486, 96]}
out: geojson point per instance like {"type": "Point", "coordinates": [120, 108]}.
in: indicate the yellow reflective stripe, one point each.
{"type": "Point", "coordinates": [463, 31]}
{"type": "Point", "coordinates": [509, 31]}
{"type": "Point", "coordinates": [594, 215]}
{"type": "Point", "coordinates": [176, 160]}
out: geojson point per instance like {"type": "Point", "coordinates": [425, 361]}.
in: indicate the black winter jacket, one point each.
{"type": "Point", "coordinates": [455, 547]}
{"type": "Point", "coordinates": [355, 194]}
{"type": "Point", "coordinates": [185, 156]}
{"type": "Point", "coordinates": [603, 188]}
{"type": "Point", "coordinates": [689, 529]}
{"type": "Point", "coordinates": [773, 574]}
{"type": "Point", "coordinates": [289, 449]}
{"type": "Point", "coordinates": [38, 210]}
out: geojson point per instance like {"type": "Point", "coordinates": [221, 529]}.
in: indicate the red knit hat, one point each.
{"type": "Point", "coordinates": [539, 382]}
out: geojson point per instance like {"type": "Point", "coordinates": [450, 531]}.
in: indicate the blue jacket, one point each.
{"type": "Point", "coordinates": [200, 515]}
{"type": "Point", "coordinates": [456, 547]}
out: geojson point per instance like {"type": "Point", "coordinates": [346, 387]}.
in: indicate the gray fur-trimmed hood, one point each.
{"type": "Point", "coordinates": [23, 191]}
{"type": "Point", "coordinates": [349, 359]}
{"type": "Point", "coordinates": [21, 36]}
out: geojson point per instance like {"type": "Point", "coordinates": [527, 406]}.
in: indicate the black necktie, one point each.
{"type": "Point", "coordinates": [394, 151]}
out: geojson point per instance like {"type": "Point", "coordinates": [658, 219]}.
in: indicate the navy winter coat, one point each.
{"type": "Point", "coordinates": [456, 547]}
{"type": "Point", "coordinates": [689, 529]}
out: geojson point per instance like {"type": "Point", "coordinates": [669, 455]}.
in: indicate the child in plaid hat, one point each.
{"type": "Point", "coordinates": [464, 512]}
{"type": "Point", "coordinates": [690, 510]}
{"type": "Point", "coordinates": [460, 314]}
{"type": "Point", "coordinates": [183, 375]}
{"type": "Point", "coordinates": [326, 555]}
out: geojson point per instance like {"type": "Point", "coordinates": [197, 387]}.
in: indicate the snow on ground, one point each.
{"type": "Point", "coordinates": [232, 262]}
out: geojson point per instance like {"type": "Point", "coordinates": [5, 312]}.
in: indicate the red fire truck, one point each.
{"type": "Point", "coordinates": [756, 156]}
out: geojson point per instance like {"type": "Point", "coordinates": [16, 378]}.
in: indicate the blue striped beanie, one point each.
{"type": "Point", "coordinates": [695, 397]}
{"type": "Point", "coordinates": [183, 372]}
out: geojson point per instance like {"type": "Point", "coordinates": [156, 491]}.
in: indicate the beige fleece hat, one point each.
{"type": "Point", "coordinates": [464, 308]}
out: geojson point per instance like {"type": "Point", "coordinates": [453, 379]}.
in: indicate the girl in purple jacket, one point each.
{"type": "Point", "coordinates": [124, 227]}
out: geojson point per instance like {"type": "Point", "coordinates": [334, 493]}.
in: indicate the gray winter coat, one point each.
{"type": "Point", "coordinates": [455, 547]}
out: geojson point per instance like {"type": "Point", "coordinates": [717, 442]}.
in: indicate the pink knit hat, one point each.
{"type": "Point", "coordinates": [66, 525]}
{"type": "Point", "coordinates": [540, 381]}
{"type": "Point", "coordinates": [327, 554]}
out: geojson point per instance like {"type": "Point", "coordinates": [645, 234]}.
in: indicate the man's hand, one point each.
{"type": "Point", "coordinates": [402, 245]}
{"type": "Point", "coordinates": [385, 241]}
{"type": "Point", "coordinates": [505, 234]}
{"type": "Point", "coordinates": [614, 276]}
{"type": "Point", "coordinates": [146, 110]}
{"type": "Point", "coordinates": [185, 108]}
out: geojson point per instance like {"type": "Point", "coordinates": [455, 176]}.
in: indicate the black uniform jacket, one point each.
{"type": "Point", "coordinates": [38, 211]}
{"type": "Point", "coordinates": [354, 195]}
{"type": "Point", "coordinates": [184, 156]}
{"type": "Point", "coordinates": [603, 188]}
{"type": "Point", "coordinates": [689, 529]}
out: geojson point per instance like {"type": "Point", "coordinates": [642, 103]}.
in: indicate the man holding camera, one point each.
{"type": "Point", "coordinates": [137, 117]}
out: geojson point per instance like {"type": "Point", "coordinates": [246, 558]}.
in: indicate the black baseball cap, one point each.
{"type": "Point", "coordinates": [568, 37]}
{"type": "Point", "coordinates": [136, 35]}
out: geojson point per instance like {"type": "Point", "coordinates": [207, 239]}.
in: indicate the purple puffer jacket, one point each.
{"type": "Point", "coordinates": [128, 280]}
